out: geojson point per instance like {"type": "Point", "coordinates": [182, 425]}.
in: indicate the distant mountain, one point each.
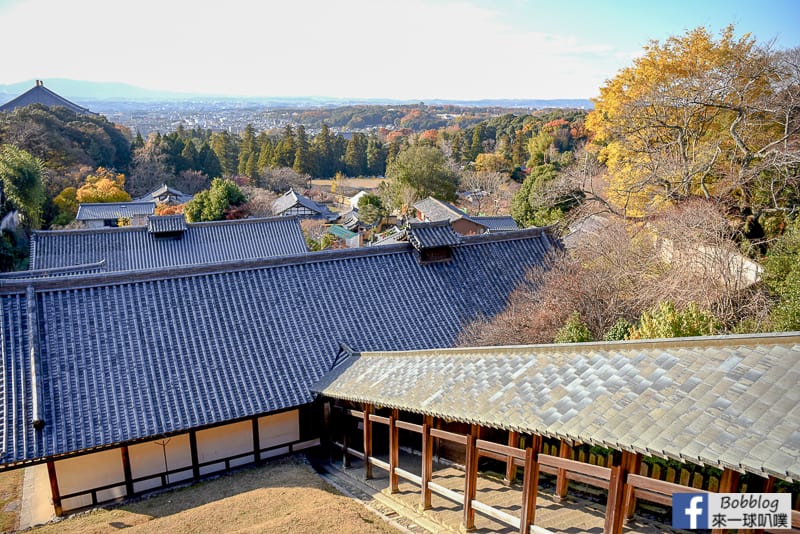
{"type": "Point", "coordinates": [83, 92]}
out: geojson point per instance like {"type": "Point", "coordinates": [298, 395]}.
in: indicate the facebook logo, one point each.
{"type": "Point", "coordinates": [690, 510]}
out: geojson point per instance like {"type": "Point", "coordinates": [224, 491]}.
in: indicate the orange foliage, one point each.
{"type": "Point", "coordinates": [166, 209]}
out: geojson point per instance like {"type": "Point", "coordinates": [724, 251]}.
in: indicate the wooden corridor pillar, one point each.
{"type": "Point", "coordinates": [394, 451]}
{"type": "Point", "coordinates": [729, 483]}
{"type": "Point", "coordinates": [511, 469]}
{"type": "Point", "coordinates": [367, 441]}
{"type": "Point", "coordinates": [562, 484]}
{"type": "Point", "coordinates": [54, 491]}
{"type": "Point", "coordinates": [427, 460]}
{"type": "Point", "coordinates": [621, 464]}
{"type": "Point", "coordinates": [530, 485]}
{"type": "Point", "coordinates": [470, 480]}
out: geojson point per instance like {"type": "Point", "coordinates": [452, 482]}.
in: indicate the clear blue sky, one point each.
{"type": "Point", "coordinates": [411, 49]}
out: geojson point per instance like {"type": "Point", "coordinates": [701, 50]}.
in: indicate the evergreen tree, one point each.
{"type": "Point", "coordinates": [208, 161]}
{"type": "Point", "coordinates": [518, 155]}
{"type": "Point", "coordinates": [478, 134]}
{"type": "Point", "coordinates": [264, 154]}
{"type": "Point", "coordinates": [247, 146]}
{"type": "Point", "coordinates": [376, 157]}
{"type": "Point", "coordinates": [355, 156]}
{"type": "Point", "coordinates": [283, 155]}
{"type": "Point", "coordinates": [302, 162]}
{"type": "Point", "coordinates": [322, 151]}
{"type": "Point", "coordinates": [21, 186]}
{"type": "Point", "coordinates": [138, 141]}
{"type": "Point", "coordinates": [190, 155]}
{"type": "Point", "coordinates": [226, 150]}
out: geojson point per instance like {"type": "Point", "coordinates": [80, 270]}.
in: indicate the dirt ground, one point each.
{"type": "Point", "coordinates": [10, 499]}
{"type": "Point", "coordinates": [281, 496]}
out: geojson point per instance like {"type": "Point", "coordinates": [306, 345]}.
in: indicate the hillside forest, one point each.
{"type": "Point", "coordinates": [676, 197]}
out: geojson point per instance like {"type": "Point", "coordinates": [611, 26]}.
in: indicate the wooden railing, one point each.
{"type": "Point", "coordinates": [619, 479]}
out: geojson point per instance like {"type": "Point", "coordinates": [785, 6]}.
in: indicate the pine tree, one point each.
{"type": "Point", "coordinates": [302, 163]}
{"type": "Point", "coordinates": [190, 156]}
{"type": "Point", "coordinates": [283, 155]}
{"type": "Point", "coordinates": [247, 146]}
{"type": "Point", "coordinates": [322, 152]}
{"type": "Point", "coordinates": [355, 156]}
{"type": "Point", "coordinates": [376, 157]}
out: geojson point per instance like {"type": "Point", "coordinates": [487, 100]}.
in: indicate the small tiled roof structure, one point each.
{"type": "Point", "coordinates": [39, 94]}
{"type": "Point", "coordinates": [98, 361]}
{"type": "Point", "coordinates": [432, 235]}
{"type": "Point", "coordinates": [727, 401]}
{"type": "Point", "coordinates": [436, 210]}
{"type": "Point", "coordinates": [496, 223]}
{"type": "Point", "coordinates": [135, 248]}
{"type": "Point", "coordinates": [165, 195]}
{"type": "Point", "coordinates": [341, 232]}
{"type": "Point", "coordinates": [114, 210]}
{"type": "Point", "coordinates": [439, 210]}
{"type": "Point", "coordinates": [166, 224]}
{"type": "Point", "coordinates": [289, 200]}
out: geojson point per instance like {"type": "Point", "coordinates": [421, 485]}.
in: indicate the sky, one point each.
{"type": "Point", "coordinates": [405, 49]}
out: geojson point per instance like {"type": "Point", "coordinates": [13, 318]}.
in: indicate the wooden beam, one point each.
{"type": "Point", "coordinates": [51, 472]}
{"type": "Point", "coordinates": [193, 449]}
{"type": "Point", "coordinates": [634, 464]}
{"type": "Point", "coordinates": [256, 441]}
{"type": "Point", "coordinates": [427, 461]}
{"type": "Point", "coordinates": [615, 507]}
{"type": "Point", "coordinates": [367, 441]}
{"type": "Point", "coordinates": [530, 485]}
{"type": "Point", "coordinates": [345, 445]}
{"type": "Point", "coordinates": [562, 483]}
{"type": "Point", "coordinates": [394, 451]}
{"type": "Point", "coordinates": [126, 469]}
{"type": "Point", "coordinates": [470, 481]}
{"type": "Point", "coordinates": [511, 468]}
{"type": "Point", "coordinates": [729, 483]}
{"type": "Point", "coordinates": [767, 487]}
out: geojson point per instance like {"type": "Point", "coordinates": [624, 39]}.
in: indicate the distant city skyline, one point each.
{"type": "Point", "coordinates": [409, 49]}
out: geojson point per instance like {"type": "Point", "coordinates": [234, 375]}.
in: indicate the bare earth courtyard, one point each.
{"type": "Point", "coordinates": [281, 496]}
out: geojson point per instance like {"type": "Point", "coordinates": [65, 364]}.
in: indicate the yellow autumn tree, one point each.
{"type": "Point", "coordinates": [693, 116]}
{"type": "Point", "coordinates": [104, 185]}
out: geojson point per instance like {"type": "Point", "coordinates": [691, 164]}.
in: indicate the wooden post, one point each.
{"type": "Point", "coordinates": [427, 460]}
{"type": "Point", "coordinates": [470, 481]}
{"type": "Point", "coordinates": [193, 449]}
{"type": "Point", "coordinates": [394, 450]}
{"type": "Point", "coordinates": [367, 442]}
{"type": "Point", "coordinates": [634, 465]}
{"type": "Point", "coordinates": [767, 487]}
{"type": "Point", "coordinates": [530, 485]}
{"type": "Point", "coordinates": [256, 442]}
{"type": "Point", "coordinates": [126, 469]}
{"type": "Point", "coordinates": [511, 469]}
{"type": "Point", "coordinates": [562, 484]}
{"type": "Point", "coordinates": [51, 472]}
{"type": "Point", "coordinates": [615, 508]}
{"type": "Point", "coordinates": [345, 444]}
{"type": "Point", "coordinates": [729, 483]}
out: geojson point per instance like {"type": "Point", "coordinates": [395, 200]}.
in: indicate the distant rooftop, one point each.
{"type": "Point", "coordinates": [165, 195]}
{"type": "Point", "coordinates": [134, 248]}
{"type": "Point", "coordinates": [39, 94]}
{"type": "Point", "coordinates": [114, 210]}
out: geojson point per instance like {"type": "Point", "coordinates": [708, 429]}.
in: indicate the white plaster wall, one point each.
{"type": "Point", "coordinates": [90, 471]}
{"type": "Point", "coordinates": [222, 442]}
{"type": "Point", "coordinates": [278, 429]}
{"type": "Point", "coordinates": [148, 459]}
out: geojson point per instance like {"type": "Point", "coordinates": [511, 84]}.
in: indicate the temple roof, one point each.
{"type": "Point", "coordinates": [39, 94]}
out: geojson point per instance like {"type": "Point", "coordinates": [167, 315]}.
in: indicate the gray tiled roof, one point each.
{"type": "Point", "coordinates": [71, 270]}
{"type": "Point", "coordinates": [439, 210]}
{"type": "Point", "coordinates": [135, 248]}
{"type": "Point", "coordinates": [39, 94]}
{"type": "Point", "coordinates": [126, 356]}
{"type": "Point", "coordinates": [291, 199]}
{"type": "Point", "coordinates": [498, 223]}
{"type": "Point", "coordinates": [162, 224]}
{"type": "Point", "coordinates": [114, 210]}
{"type": "Point", "coordinates": [726, 401]}
{"type": "Point", "coordinates": [432, 235]}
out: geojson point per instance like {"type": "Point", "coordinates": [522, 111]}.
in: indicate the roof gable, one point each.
{"type": "Point", "coordinates": [39, 94]}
